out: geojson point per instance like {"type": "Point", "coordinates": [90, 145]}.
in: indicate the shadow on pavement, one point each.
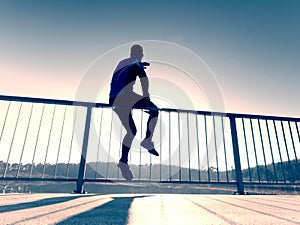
{"type": "Point", "coordinates": [38, 203]}
{"type": "Point", "coordinates": [113, 212]}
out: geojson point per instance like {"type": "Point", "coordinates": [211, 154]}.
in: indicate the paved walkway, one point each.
{"type": "Point", "coordinates": [148, 209]}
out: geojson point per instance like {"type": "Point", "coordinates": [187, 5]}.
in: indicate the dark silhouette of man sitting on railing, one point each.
{"type": "Point", "coordinates": [124, 99]}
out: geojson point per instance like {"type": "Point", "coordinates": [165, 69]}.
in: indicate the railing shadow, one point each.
{"type": "Point", "coordinates": [113, 212]}
{"type": "Point", "coordinates": [38, 203]}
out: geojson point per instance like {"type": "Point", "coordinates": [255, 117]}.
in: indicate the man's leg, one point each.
{"type": "Point", "coordinates": [128, 123]}
{"type": "Point", "coordinates": [123, 106]}
{"type": "Point", "coordinates": [151, 124]}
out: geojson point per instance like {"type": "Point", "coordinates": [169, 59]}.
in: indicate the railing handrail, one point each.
{"type": "Point", "coordinates": [106, 105]}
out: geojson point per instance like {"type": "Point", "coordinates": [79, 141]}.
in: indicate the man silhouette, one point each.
{"type": "Point", "coordinates": [124, 99]}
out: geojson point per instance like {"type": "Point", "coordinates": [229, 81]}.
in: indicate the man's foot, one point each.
{"type": "Point", "coordinates": [153, 152]}
{"type": "Point", "coordinates": [125, 170]}
{"type": "Point", "coordinates": [149, 146]}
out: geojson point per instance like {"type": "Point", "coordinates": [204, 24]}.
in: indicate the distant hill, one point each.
{"type": "Point", "coordinates": [277, 172]}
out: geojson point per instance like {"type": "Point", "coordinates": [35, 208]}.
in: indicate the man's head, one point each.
{"type": "Point", "coordinates": [136, 52]}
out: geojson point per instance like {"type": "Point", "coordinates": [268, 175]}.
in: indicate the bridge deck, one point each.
{"type": "Point", "coordinates": [148, 209]}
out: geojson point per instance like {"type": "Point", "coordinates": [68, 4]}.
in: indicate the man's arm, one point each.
{"type": "Point", "coordinates": [145, 86]}
{"type": "Point", "coordinates": [143, 78]}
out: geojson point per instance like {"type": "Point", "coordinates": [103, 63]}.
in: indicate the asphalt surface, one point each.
{"type": "Point", "coordinates": [139, 209]}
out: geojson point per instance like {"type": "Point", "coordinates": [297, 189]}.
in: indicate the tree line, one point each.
{"type": "Point", "coordinates": [278, 172]}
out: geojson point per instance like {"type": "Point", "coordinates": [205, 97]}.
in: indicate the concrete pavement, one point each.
{"type": "Point", "coordinates": [139, 209]}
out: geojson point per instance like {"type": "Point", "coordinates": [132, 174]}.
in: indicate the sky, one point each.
{"type": "Point", "coordinates": [252, 49]}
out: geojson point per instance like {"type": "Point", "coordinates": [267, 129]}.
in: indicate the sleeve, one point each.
{"type": "Point", "coordinates": [140, 71]}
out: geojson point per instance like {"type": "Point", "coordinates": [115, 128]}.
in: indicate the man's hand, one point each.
{"type": "Point", "coordinates": [144, 64]}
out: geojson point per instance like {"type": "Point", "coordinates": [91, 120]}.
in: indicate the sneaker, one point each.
{"type": "Point", "coordinates": [153, 152]}
{"type": "Point", "coordinates": [149, 146]}
{"type": "Point", "coordinates": [125, 170]}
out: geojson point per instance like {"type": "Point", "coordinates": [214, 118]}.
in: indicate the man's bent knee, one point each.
{"type": "Point", "coordinates": [153, 113]}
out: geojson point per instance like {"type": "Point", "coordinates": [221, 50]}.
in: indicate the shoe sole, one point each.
{"type": "Point", "coordinates": [153, 152]}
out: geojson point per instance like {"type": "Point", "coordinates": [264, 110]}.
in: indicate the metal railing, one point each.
{"type": "Point", "coordinates": [58, 140]}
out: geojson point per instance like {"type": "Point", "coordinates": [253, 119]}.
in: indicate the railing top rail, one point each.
{"type": "Point", "coordinates": [51, 101]}
{"type": "Point", "coordinates": [263, 117]}
{"type": "Point", "coordinates": [105, 105]}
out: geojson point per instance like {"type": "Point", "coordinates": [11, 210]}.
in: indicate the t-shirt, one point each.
{"type": "Point", "coordinates": [124, 76]}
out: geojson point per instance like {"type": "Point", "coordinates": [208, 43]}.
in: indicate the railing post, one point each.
{"type": "Point", "coordinates": [82, 165]}
{"type": "Point", "coordinates": [236, 154]}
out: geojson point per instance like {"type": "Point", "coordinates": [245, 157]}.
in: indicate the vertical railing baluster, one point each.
{"type": "Point", "coordinates": [263, 150]}
{"type": "Point", "coordinates": [298, 137]}
{"type": "Point", "coordinates": [236, 154]}
{"type": "Point", "coordinates": [49, 137]}
{"type": "Point", "coordinates": [254, 146]}
{"type": "Point", "coordinates": [298, 133]}
{"type": "Point", "coordinates": [12, 141]}
{"type": "Point", "coordinates": [109, 144]}
{"type": "Point", "coordinates": [293, 144]}
{"type": "Point", "coordinates": [24, 143]}
{"type": "Point", "coordinates": [120, 151]}
{"type": "Point", "coordinates": [198, 148]}
{"type": "Point", "coordinates": [59, 144]}
{"type": "Point", "coordinates": [36, 142]}
{"type": "Point", "coordinates": [4, 123]}
{"type": "Point", "coordinates": [150, 172]}
{"type": "Point", "coordinates": [246, 147]}
{"type": "Point", "coordinates": [282, 167]}
{"type": "Point", "coordinates": [130, 156]}
{"type": "Point", "coordinates": [216, 147]}
{"type": "Point", "coordinates": [224, 145]}
{"type": "Point", "coordinates": [82, 165]}
{"type": "Point", "coordinates": [160, 146]}
{"type": "Point", "coordinates": [99, 142]}
{"type": "Point", "coordinates": [150, 166]}
{"type": "Point", "coordinates": [287, 152]}
{"type": "Point", "coordinates": [270, 143]}
{"type": "Point", "coordinates": [179, 147]}
{"type": "Point", "coordinates": [170, 163]}
{"type": "Point", "coordinates": [189, 150]}
{"type": "Point", "coordinates": [71, 143]}
{"type": "Point", "coordinates": [207, 149]}
{"type": "Point", "coordinates": [141, 132]}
